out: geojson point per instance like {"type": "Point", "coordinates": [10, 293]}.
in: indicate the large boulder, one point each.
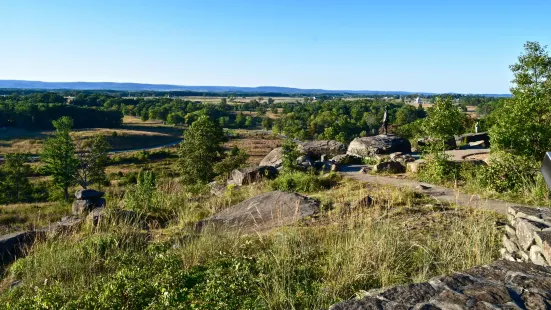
{"type": "Point", "coordinates": [244, 176]}
{"type": "Point", "coordinates": [347, 159]}
{"type": "Point", "coordinates": [264, 211]}
{"type": "Point", "coordinates": [273, 159]}
{"type": "Point", "coordinates": [88, 194]}
{"type": "Point", "coordinates": [316, 149]}
{"type": "Point", "coordinates": [81, 207]}
{"type": "Point", "coordinates": [381, 144]}
{"type": "Point", "coordinates": [12, 246]}
{"type": "Point", "coordinates": [473, 137]}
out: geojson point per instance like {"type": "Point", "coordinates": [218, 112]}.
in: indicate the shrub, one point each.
{"type": "Point", "coordinates": [508, 173]}
{"type": "Point", "coordinates": [439, 169]}
{"type": "Point", "coordinates": [304, 181]}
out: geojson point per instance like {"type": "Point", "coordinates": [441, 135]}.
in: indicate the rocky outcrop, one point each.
{"type": "Point", "coordinates": [528, 236]}
{"type": "Point", "coordinates": [264, 211]}
{"type": "Point", "coordinates": [87, 200]}
{"type": "Point", "coordinates": [273, 159]}
{"type": "Point", "coordinates": [316, 149]}
{"type": "Point", "coordinates": [500, 285]}
{"type": "Point", "coordinates": [381, 144]}
{"type": "Point", "coordinates": [244, 176]}
{"type": "Point", "coordinates": [13, 245]}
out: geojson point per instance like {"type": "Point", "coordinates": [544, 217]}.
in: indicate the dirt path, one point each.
{"type": "Point", "coordinates": [442, 194]}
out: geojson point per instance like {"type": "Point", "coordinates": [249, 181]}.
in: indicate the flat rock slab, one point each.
{"type": "Point", "coordinates": [500, 285]}
{"type": "Point", "coordinates": [264, 211]}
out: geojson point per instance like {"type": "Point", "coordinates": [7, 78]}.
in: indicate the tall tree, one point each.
{"type": "Point", "coordinates": [444, 120]}
{"type": "Point", "coordinates": [200, 150]}
{"type": "Point", "coordinates": [522, 123]}
{"type": "Point", "coordinates": [14, 182]}
{"type": "Point", "coordinates": [532, 72]}
{"type": "Point", "coordinates": [58, 155]}
{"type": "Point", "coordinates": [92, 159]}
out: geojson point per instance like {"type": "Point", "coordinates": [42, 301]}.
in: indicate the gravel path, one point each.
{"type": "Point", "coordinates": [442, 194]}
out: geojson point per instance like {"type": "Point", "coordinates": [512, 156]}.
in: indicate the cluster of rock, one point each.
{"type": "Point", "coordinates": [528, 236]}
{"type": "Point", "coordinates": [264, 211]}
{"type": "Point", "coordinates": [87, 200]}
{"type": "Point", "coordinates": [13, 246]}
{"type": "Point", "coordinates": [500, 285]}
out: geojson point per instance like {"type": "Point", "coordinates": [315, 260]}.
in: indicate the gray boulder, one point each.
{"type": "Point", "coordinates": [88, 194]}
{"type": "Point", "coordinates": [316, 149]}
{"type": "Point", "coordinates": [346, 159]}
{"type": "Point", "coordinates": [264, 211]}
{"type": "Point", "coordinates": [389, 167]}
{"type": "Point", "coordinates": [381, 144]}
{"type": "Point", "coordinates": [244, 176]}
{"type": "Point", "coordinates": [273, 159]}
{"type": "Point", "coordinates": [84, 206]}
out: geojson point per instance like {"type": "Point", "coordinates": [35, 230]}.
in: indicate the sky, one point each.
{"type": "Point", "coordinates": [394, 45]}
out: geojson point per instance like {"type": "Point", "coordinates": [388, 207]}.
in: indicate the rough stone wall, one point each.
{"type": "Point", "coordinates": [527, 236]}
{"type": "Point", "coordinates": [500, 285]}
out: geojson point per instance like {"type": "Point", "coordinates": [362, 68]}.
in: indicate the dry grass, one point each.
{"type": "Point", "coordinates": [23, 216]}
{"type": "Point", "coordinates": [256, 143]}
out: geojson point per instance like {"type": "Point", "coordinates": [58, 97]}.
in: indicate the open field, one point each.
{"type": "Point", "coordinates": [132, 135]}
{"type": "Point", "coordinates": [255, 142]}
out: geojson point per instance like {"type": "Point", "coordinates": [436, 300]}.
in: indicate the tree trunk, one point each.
{"type": "Point", "coordinates": [66, 191]}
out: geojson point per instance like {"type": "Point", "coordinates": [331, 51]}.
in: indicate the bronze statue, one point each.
{"type": "Point", "coordinates": [385, 120]}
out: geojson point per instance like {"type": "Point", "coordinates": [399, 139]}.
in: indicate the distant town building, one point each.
{"type": "Point", "coordinates": [419, 100]}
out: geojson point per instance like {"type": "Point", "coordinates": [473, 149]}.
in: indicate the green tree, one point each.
{"type": "Point", "coordinates": [93, 159]}
{"type": "Point", "coordinates": [200, 150]}
{"type": "Point", "coordinates": [522, 123]}
{"type": "Point", "coordinates": [267, 123]}
{"type": "Point", "coordinates": [58, 155]}
{"type": "Point", "coordinates": [444, 120]}
{"type": "Point", "coordinates": [175, 118]}
{"type": "Point", "coordinates": [532, 72]}
{"type": "Point", "coordinates": [290, 154]}
{"type": "Point", "coordinates": [270, 101]}
{"type": "Point", "coordinates": [405, 115]}
{"type": "Point", "coordinates": [14, 182]}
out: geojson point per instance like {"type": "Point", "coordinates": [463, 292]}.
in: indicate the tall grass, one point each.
{"type": "Point", "coordinates": [403, 237]}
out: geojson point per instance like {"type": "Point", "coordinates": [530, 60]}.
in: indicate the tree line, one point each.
{"type": "Point", "coordinates": [37, 111]}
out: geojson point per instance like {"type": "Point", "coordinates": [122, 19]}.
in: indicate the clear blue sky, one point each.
{"type": "Point", "coordinates": [432, 46]}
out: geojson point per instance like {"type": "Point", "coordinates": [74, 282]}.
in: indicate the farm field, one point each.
{"type": "Point", "coordinates": [133, 134]}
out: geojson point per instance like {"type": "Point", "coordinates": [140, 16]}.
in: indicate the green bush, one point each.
{"type": "Point", "coordinates": [304, 181]}
{"type": "Point", "coordinates": [439, 169]}
{"type": "Point", "coordinates": [508, 173]}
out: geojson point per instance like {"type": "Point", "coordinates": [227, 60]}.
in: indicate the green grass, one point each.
{"type": "Point", "coordinates": [404, 237]}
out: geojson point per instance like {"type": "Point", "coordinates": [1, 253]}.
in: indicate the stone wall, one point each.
{"type": "Point", "coordinates": [500, 285]}
{"type": "Point", "coordinates": [527, 236]}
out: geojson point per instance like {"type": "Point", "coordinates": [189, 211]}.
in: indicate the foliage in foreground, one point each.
{"type": "Point", "coordinates": [301, 267]}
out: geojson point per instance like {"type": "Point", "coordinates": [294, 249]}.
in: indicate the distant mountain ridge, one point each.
{"type": "Point", "coordinates": [22, 84]}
